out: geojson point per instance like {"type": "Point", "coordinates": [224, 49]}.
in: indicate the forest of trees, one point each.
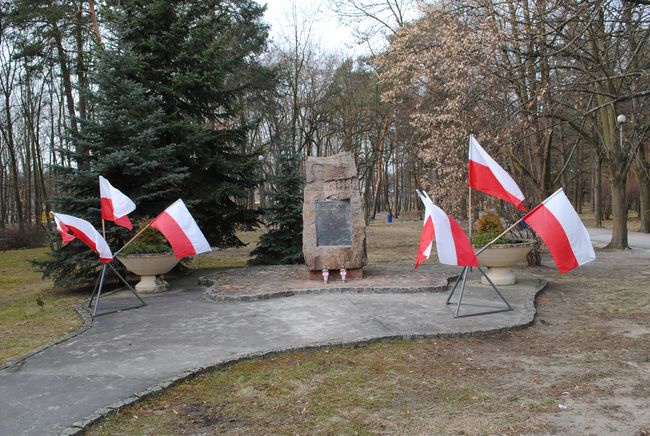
{"type": "Point", "coordinates": [539, 83]}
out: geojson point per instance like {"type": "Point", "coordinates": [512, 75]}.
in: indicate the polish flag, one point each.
{"type": "Point", "coordinates": [452, 244]}
{"type": "Point", "coordinates": [181, 231]}
{"type": "Point", "coordinates": [558, 224]}
{"type": "Point", "coordinates": [115, 205]}
{"type": "Point", "coordinates": [487, 176]}
{"type": "Point", "coordinates": [85, 232]}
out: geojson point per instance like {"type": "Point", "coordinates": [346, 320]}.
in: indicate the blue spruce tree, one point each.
{"type": "Point", "coordinates": [168, 88]}
{"type": "Point", "coordinates": [282, 244]}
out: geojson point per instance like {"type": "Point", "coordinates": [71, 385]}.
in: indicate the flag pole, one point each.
{"type": "Point", "coordinates": [131, 240]}
{"type": "Point", "coordinates": [103, 228]}
{"type": "Point", "coordinates": [469, 189]}
{"type": "Point", "coordinates": [469, 213]}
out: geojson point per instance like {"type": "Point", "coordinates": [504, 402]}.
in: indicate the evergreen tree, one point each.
{"type": "Point", "coordinates": [282, 244]}
{"type": "Point", "coordinates": [168, 87]}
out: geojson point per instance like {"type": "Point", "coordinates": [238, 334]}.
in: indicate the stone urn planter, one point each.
{"type": "Point", "coordinates": [148, 267]}
{"type": "Point", "coordinates": [500, 258]}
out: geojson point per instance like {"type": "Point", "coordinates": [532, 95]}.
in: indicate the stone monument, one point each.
{"type": "Point", "coordinates": [334, 229]}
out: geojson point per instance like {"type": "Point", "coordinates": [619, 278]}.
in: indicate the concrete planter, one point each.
{"type": "Point", "coordinates": [500, 258]}
{"type": "Point", "coordinates": [148, 266]}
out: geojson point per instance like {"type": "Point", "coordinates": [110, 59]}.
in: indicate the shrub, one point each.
{"type": "Point", "coordinates": [30, 236]}
{"type": "Point", "coordinates": [489, 222]}
{"type": "Point", "coordinates": [488, 227]}
{"type": "Point", "coordinates": [150, 241]}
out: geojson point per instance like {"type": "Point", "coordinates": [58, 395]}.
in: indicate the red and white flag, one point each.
{"type": "Point", "coordinates": [180, 229]}
{"type": "Point", "coordinates": [115, 205]}
{"type": "Point", "coordinates": [487, 176]}
{"type": "Point", "coordinates": [559, 225]}
{"type": "Point", "coordinates": [452, 244]}
{"type": "Point", "coordinates": [85, 232]}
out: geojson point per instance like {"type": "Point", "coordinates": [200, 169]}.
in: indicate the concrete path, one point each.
{"type": "Point", "coordinates": [636, 240]}
{"type": "Point", "coordinates": [131, 354]}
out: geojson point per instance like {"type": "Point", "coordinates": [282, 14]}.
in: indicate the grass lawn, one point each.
{"type": "Point", "coordinates": [230, 257]}
{"type": "Point", "coordinates": [24, 324]}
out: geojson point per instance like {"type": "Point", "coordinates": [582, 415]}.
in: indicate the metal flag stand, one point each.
{"type": "Point", "coordinates": [463, 276]}
{"type": "Point", "coordinates": [97, 292]}
{"type": "Point", "coordinates": [99, 283]}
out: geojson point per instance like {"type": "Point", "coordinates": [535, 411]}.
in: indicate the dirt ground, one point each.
{"type": "Point", "coordinates": [583, 367]}
{"type": "Point", "coordinates": [588, 352]}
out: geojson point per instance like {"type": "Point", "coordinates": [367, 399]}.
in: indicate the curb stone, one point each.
{"type": "Point", "coordinates": [211, 296]}
{"type": "Point", "coordinates": [88, 322]}
{"type": "Point", "coordinates": [80, 427]}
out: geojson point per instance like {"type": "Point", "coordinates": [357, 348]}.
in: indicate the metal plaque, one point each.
{"type": "Point", "coordinates": [333, 227]}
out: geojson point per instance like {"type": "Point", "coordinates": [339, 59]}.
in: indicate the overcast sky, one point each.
{"type": "Point", "coordinates": [326, 29]}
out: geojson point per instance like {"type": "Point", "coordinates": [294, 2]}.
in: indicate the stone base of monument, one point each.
{"type": "Point", "coordinates": [335, 274]}
{"type": "Point", "coordinates": [279, 281]}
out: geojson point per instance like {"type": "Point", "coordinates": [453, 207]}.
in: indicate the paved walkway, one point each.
{"type": "Point", "coordinates": [134, 353]}
{"type": "Point", "coordinates": [636, 240]}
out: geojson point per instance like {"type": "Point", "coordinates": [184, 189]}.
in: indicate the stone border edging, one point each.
{"type": "Point", "coordinates": [88, 322]}
{"type": "Point", "coordinates": [211, 296]}
{"type": "Point", "coordinates": [79, 427]}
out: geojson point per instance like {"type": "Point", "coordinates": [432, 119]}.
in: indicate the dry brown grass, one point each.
{"type": "Point", "coordinates": [24, 324]}
{"type": "Point", "coordinates": [589, 220]}
{"type": "Point", "coordinates": [582, 368]}
{"type": "Point", "coordinates": [394, 243]}
{"type": "Point", "coordinates": [229, 257]}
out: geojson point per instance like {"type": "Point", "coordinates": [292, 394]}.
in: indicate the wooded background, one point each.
{"type": "Point", "coordinates": [539, 83]}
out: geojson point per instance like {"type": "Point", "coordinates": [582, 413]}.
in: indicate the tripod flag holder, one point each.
{"type": "Point", "coordinates": [97, 292]}
{"type": "Point", "coordinates": [463, 277]}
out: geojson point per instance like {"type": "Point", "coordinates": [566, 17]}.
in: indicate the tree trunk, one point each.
{"type": "Point", "coordinates": [93, 18]}
{"type": "Point", "coordinates": [380, 152]}
{"type": "Point", "coordinates": [3, 210]}
{"type": "Point", "coordinates": [396, 175]}
{"type": "Point", "coordinates": [642, 172]}
{"type": "Point", "coordinates": [366, 194]}
{"type": "Point", "coordinates": [67, 82]}
{"type": "Point", "coordinates": [546, 166]}
{"type": "Point", "coordinates": [13, 161]}
{"type": "Point", "coordinates": [81, 71]}
{"type": "Point", "coordinates": [598, 191]}
{"type": "Point", "coordinates": [618, 183]}
{"type": "Point", "coordinates": [577, 201]}
{"type": "Point", "coordinates": [644, 203]}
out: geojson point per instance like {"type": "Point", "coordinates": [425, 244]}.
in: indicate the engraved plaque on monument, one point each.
{"type": "Point", "coordinates": [333, 227]}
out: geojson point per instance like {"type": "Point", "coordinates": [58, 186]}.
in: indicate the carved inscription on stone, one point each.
{"type": "Point", "coordinates": [338, 185]}
{"type": "Point", "coordinates": [333, 227]}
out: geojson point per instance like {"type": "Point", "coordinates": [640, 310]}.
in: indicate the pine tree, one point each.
{"type": "Point", "coordinates": [168, 87]}
{"type": "Point", "coordinates": [282, 244]}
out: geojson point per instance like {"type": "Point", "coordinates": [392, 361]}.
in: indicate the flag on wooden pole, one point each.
{"type": "Point", "coordinates": [452, 245]}
{"type": "Point", "coordinates": [115, 205]}
{"type": "Point", "coordinates": [85, 232]}
{"type": "Point", "coordinates": [558, 224]}
{"type": "Point", "coordinates": [178, 226]}
{"type": "Point", "coordinates": [487, 176]}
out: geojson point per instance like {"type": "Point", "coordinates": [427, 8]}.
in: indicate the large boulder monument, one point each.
{"type": "Point", "coordinates": [334, 228]}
